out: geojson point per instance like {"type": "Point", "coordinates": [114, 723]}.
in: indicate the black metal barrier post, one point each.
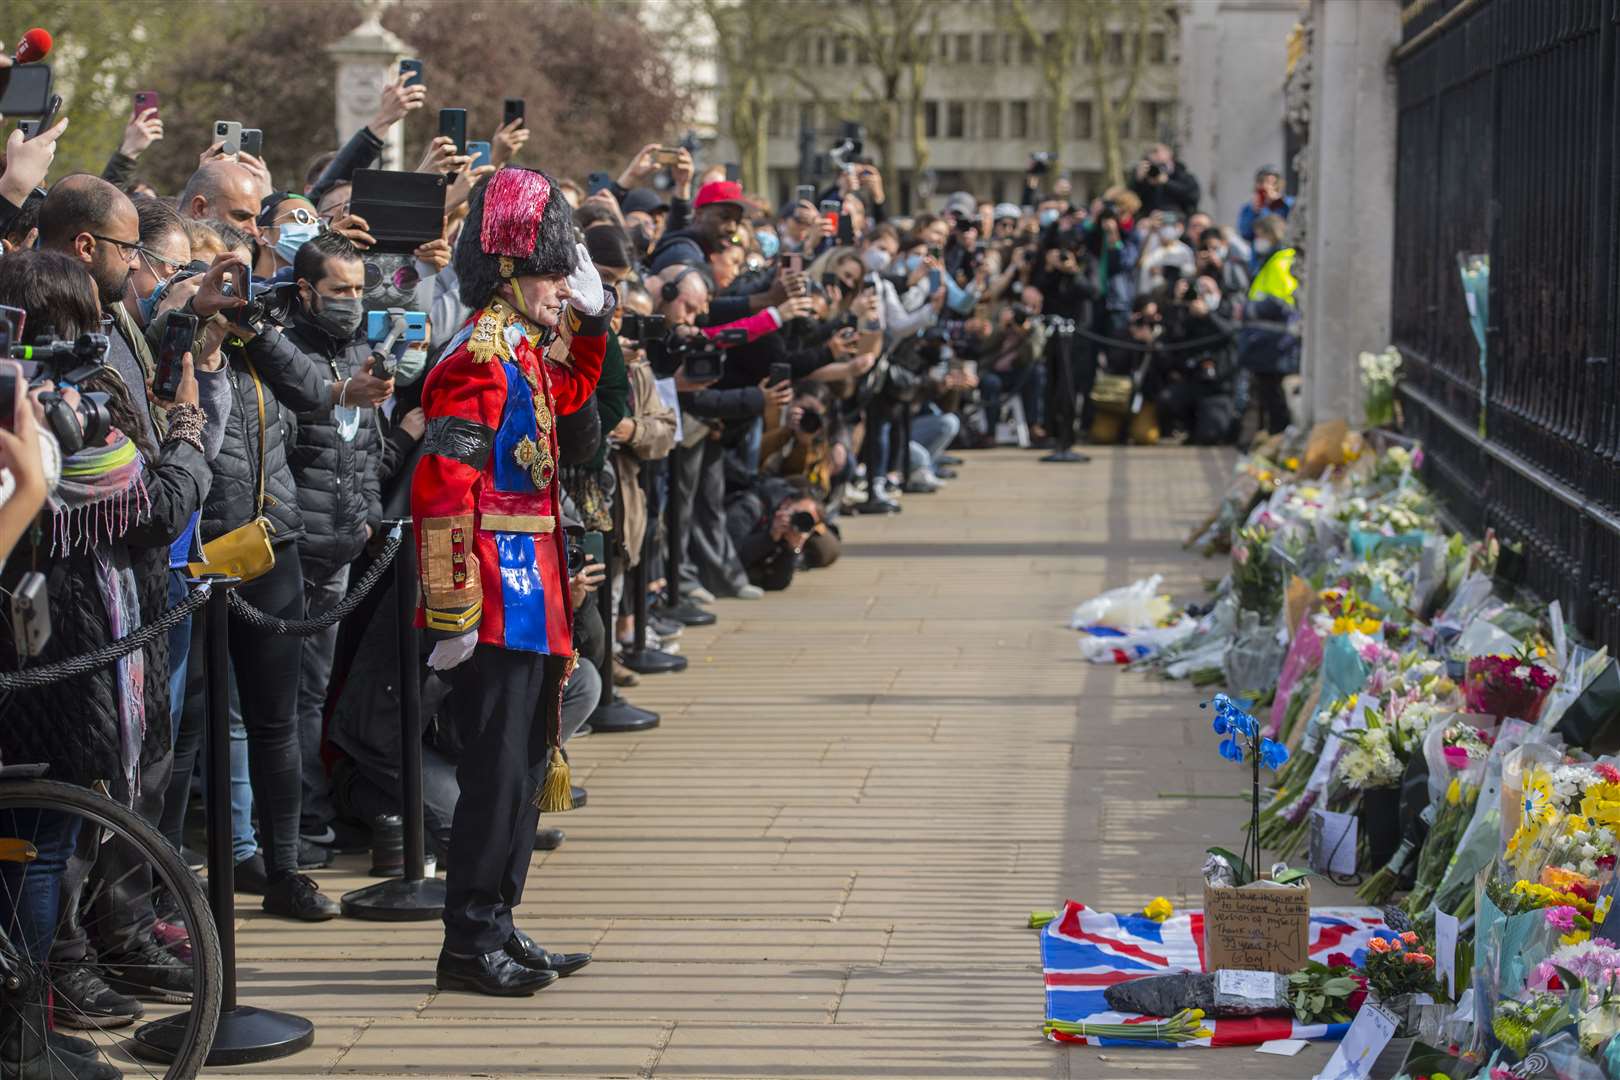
{"type": "Point", "coordinates": [1061, 408]}
{"type": "Point", "coordinates": [415, 896]}
{"type": "Point", "coordinates": [614, 715]}
{"type": "Point", "coordinates": [246, 1034]}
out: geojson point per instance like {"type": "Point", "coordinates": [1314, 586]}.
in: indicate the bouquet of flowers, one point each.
{"type": "Point", "coordinates": [1507, 686]}
{"type": "Point", "coordinates": [1463, 750]}
{"type": "Point", "coordinates": [1379, 372]}
{"type": "Point", "coordinates": [1399, 965]}
{"type": "Point", "coordinates": [1257, 576]}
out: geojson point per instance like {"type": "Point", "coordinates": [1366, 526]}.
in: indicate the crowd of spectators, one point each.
{"type": "Point", "coordinates": [773, 369]}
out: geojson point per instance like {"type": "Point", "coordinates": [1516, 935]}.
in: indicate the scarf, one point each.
{"type": "Point", "coordinates": [101, 494]}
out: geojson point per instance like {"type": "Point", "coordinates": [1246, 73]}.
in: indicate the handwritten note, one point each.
{"type": "Point", "coordinates": [1333, 842]}
{"type": "Point", "coordinates": [1253, 985]}
{"type": "Point", "coordinates": [1256, 928]}
{"type": "Point", "coordinates": [1445, 951]}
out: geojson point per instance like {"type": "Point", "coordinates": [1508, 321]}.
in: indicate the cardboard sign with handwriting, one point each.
{"type": "Point", "coordinates": [1259, 927]}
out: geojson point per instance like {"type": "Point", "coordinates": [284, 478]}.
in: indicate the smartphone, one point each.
{"type": "Point", "coordinates": [845, 229]}
{"type": "Point", "coordinates": [26, 90]}
{"type": "Point", "coordinates": [595, 547]}
{"type": "Point", "coordinates": [253, 141]}
{"type": "Point", "coordinates": [377, 322]}
{"type": "Point", "coordinates": [143, 100]}
{"type": "Point", "coordinates": [480, 152]}
{"type": "Point", "coordinates": [228, 133]}
{"type": "Point", "coordinates": [829, 210]}
{"type": "Point", "coordinates": [14, 318]}
{"type": "Point", "coordinates": [806, 193]}
{"type": "Point", "coordinates": [412, 70]}
{"type": "Point", "coordinates": [668, 155]}
{"type": "Point", "coordinates": [13, 390]}
{"type": "Point", "coordinates": [780, 373]}
{"type": "Point", "coordinates": [31, 128]}
{"type": "Point", "coordinates": [793, 261]}
{"type": "Point", "coordinates": [178, 334]}
{"type": "Point", "coordinates": [513, 111]}
{"type": "Point", "coordinates": [733, 171]}
{"type": "Point", "coordinates": [597, 181]}
{"type": "Point", "coordinates": [453, 123]}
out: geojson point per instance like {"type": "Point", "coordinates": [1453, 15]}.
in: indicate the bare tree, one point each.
{"type": "Point", "coordinates": [1113, 35]}
{"type": "Point", "coordinates": [751, 44]}
{"type": "Point", "coordinates": [893, 44]}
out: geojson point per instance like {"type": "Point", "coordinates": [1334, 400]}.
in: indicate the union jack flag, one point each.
{"type": "Point", "coordinates": [1084, 952]}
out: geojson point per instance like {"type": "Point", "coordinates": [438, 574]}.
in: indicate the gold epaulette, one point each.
{"type": "Point", "coordinates": [489, 339]}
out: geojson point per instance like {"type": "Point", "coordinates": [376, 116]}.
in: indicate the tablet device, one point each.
{"type": "Point", "coordinates": [402, 210]}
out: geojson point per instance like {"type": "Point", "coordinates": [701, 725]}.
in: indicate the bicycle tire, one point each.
{"type": "Point", "coordinates": [208, 993]}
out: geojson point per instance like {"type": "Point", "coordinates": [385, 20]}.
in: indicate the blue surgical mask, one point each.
{"type": "Point", "coordinates": [1048, 216]}
{"type": "Point", "coordinates": [411, 363]}
{"type": "Point", "coordinates": [912, 262]}
{"type": "Point", "coordinates": [294, 236]}
{"type": "Point", "coordinates": [768, 243]}
{"type": "Point", "coordinates": [1262, 247]}
{"type": "Point", "coordinates": [149, 302]}
{"type": "Point", "coordinates": [876, 259]}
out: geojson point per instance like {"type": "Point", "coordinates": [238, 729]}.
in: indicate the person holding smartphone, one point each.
{"type": "Point", "coordinates": [402, 95]}
{"type": "Point", "coordinates": [144, 128]}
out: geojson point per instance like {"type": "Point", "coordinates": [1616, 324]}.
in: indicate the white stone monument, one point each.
{"type": "Point", "coordinates": [366, 59]}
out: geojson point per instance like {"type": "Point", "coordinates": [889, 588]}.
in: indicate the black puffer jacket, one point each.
{"type": "Point", "coordinates": [339, 492]}
{"type": "Point", "coordinates": [290, 382]}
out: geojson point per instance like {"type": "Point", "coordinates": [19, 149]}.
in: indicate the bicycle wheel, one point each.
{"type": "Point", "coordinates": [110, 904]}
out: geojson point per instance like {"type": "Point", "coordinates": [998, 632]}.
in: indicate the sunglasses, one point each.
{"type": "Point", "coordinates": [299, 215]}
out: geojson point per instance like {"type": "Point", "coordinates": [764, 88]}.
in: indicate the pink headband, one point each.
{"type": "Point", "coordinates": [514, 203]}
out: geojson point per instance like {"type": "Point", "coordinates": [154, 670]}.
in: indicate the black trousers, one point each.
{"type": "Point", "coordinates": [267, 667]}
{"type": "Point", "coordinates": [1268, 391]}
{"type": "Point", "coordinates": [498, 698]}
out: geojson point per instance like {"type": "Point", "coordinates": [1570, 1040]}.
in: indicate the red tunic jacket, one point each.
{"type": "Point", "coordinates": [485, 496]}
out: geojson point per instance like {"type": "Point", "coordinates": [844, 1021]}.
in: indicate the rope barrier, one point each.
{"type": "Point", "coordinates": [113, 651]}
{"type": "Point", "coordinates": [304, 627]}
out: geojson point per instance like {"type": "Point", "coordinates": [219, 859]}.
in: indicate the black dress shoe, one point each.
{"type": "Point", "coordinates": [521, 947]}
{"type": "Point", "coordinates": [548, 839]}
{"type": "Point", "coordinates": [494, 973]}
{"type": "Point", "coordinates": [687, 613]}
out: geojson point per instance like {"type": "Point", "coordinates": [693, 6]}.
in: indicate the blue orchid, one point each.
{"type": "Point", "coordinates": [1273, 754]}
{"type": "Point", "coordinates": [1231, 749]}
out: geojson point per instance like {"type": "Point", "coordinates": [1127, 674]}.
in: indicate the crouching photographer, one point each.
{"type": "Point", "coordinates": [1195, 373]}
{"type": "Point", "coordinates": [772, 526]}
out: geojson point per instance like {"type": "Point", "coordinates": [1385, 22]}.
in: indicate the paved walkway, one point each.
{"type": "Point", "coordinates": [822, 864]}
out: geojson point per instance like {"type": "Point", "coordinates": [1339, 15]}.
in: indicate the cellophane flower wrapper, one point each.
{"type": "Point", "coordinates": [1304, 656]}
{"type": "Point", "coordinates": [1256, 653]}
{"type": "Point", "coordinates": [1501, 685]}
{"type": "Point", "coordinates": [1481, 840]}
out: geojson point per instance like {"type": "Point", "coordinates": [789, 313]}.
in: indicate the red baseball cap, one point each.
{"type": "Point", "coordinates": [720, 191]}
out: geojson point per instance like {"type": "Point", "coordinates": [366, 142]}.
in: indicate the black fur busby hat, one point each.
{"type": "Point", "coordinates": [518, 224]}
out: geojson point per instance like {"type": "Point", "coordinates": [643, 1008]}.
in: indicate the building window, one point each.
{"type": "Point", "coordinates": [863, 52]}
{"type": "Point", "coordinates": [1018, 120]}
{"type": "Point", "coordinates": [773, 121]}
{"type": "Point", "coordinates": [1116, 47]}
{"type": "Point", "coordinates": [990, 124]}
{"type": "Point", "coordinates": [1158, 119]}
{"type": "Point", "coordinates": [931, 119]}
{"type": "Point", "coordinates": [988, 43]}
{"type": "Point", "coordinates": [943, 45]}
{"type": "Point", "coordinates": [807, 116]}
{"type": "Point", "coordinates": [840, 49]}
{"type": "Point", "coordinates": [1082, 121]}
{"type": "Point", "coordinates": [1006, 48]}
{"type": "Point", "coordinates": [821, 51]}
{"type": "Point", "coordinates": [1125, 126]}
{"type": "Point", "coordinates": [964, 48]}
{"type": "Point", "coordinates": [801, 51]}
{"type": "Point", "coordinates": [955, 120]}
{"type": "Point", "coordinates": [1156, 47]}
{"type": "Point", "coordinates": [1026, 51]}
{"type": "Point", "coordinates": [1091, 49]}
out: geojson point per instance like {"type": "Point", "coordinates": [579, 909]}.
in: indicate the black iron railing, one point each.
{"type": "Point", "coordinates": [1506, 147]}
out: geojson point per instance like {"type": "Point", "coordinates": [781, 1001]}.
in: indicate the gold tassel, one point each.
{"type": "Point", "coordinates": [557, 793]}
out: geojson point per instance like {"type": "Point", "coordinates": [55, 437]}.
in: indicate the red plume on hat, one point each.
{"type": "Point", "coordinates": [514, 204]}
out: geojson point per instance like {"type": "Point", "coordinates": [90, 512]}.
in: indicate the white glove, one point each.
{"type": "Point", "coordinates": [585, 284]}
{"type": "Point", "coordinates": [452, 651]}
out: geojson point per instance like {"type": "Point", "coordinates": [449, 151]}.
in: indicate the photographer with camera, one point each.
{"type": "Point", "coordinates": [124, 500]}
{"type": "Point", "coordinates": [1268, 199]}
{"type": "Point", "coordinates": [1194, 373]}
{"type": "Point", "coordinates": [1163, 183]}
{"type": "Point", "coordinates": [771, 525]}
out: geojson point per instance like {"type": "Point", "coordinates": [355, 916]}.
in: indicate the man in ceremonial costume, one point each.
{"type": "Point", "coordinates": [494, 567]}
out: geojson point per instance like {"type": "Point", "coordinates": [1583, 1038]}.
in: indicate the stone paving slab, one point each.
{"type": "Point", "coordinates": [822, 864]}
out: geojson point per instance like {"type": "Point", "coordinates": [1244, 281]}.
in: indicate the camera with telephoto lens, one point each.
{"type": "Point", "coordinates": [849, 147]}
{"type": "Point", "coordinates": [269, 305]}
{"type": "Point", "coordinates": [702, 359]}
{"type": "Point", "coordinates": [1039, 163]}
{"type": "Point", "coordinates": [811, 421]}
{"type": "Point", "coordinates": [1021, 314]}
{"type": "Point", "coordinates": [803, 521]}
{"type": "Point", "coordinates": [1154, 170]}
{"type": "Point", "coordinates": [67, 364]}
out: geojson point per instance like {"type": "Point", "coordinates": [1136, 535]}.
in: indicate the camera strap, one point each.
{"type": "Point", "coordinates": [258, 397]}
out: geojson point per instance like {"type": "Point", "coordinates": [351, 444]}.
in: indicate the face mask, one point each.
{"type": "Point", "coordinates": [294, 236]}
{"type": "Point", "coordinates": [1169, 234]}
{"type": "Point", "coordinates": [149, 302]}
{"type": "Point", "coordinates": [410, 366]}
{"type": "Point", "coordinates": [1262, 247]}
{"type": "Point", "coordinates": [876, 259]}
{"type": "Point", "coordinates": [1218, 253]}
{"type": "Point", "coordinates": [1048, 216]}
{"type": "Point", "coordinates": [347, 419]}
{"type": "Point", "coordinates": [340, 318]}
{"type": "Point", "coordinates": [912, 262]}
{"type": "Point", "coordinates": [768, 245]}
